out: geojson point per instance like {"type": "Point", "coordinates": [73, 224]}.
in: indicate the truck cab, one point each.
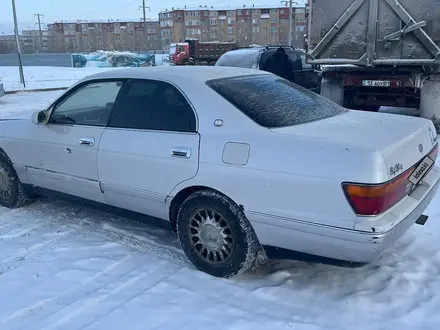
{"type": "Point", "coordinates": [179, 53]}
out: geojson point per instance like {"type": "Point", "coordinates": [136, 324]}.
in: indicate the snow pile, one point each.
{"type": "Point", "coordinates": [37, 77]}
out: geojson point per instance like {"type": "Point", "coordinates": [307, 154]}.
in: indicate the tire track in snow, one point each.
{"type": "Point", "coordinates": [68, 214]}
{"type": "Point", "coordinates": [118, 296]}
{"type": "Point", "coordinates": [99, 222]}
{"type": "Point", "coordinates": [18, 233]}
{"type": "Point", "coordinates": [36, 312]}
{"type": "Point", "coordinates": [9, 217]}
{"type": "Point", "coordinates": [144, 245]}
{"type": "Point", "coordinates": [16, 261]}
{"type": "Point", "coordinates": [93, 224]}
{"type": "Point", "coordinates": [228, 294]}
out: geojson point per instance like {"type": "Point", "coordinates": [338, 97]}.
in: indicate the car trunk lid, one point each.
{"type": "Point", "coordinates": [403, 141]}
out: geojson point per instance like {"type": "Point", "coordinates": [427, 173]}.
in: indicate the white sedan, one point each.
{"type": "Point", "coordinates": [244, 164]}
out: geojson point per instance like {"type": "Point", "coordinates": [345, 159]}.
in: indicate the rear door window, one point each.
{"type": "Point", "coordinates": [274, 102]}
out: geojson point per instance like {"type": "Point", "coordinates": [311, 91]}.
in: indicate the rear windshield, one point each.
{"type": "Point", "coordinates": [274, 102]}
{"type": "Point", "coordinates": [241, 58]}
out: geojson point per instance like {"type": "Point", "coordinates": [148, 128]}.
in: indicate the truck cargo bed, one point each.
{"type": "Point", "coordinates": [374, 32]}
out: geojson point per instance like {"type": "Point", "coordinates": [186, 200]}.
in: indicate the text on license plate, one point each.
{"type": "Point", "coordinates": [376, 83]}
{"type": "Point", "coordinates": [421, 170]}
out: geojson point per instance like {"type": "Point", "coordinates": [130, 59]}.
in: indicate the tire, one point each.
{"type": "Point", "coordinates": [12, 192]}
{"type": "Point", "coordinates": [219, 216]}
{"type": "Point", "coordinates": [211, 63]}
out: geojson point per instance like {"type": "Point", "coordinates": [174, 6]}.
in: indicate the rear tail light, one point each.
{"type": "Point", "coordinates": [373, 199]}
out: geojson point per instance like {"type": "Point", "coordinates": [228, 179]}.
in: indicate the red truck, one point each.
{"type": "Point", "coordinates": [194, 52]}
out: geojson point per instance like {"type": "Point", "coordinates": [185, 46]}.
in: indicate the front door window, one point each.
{"type": "Point", "coordinates": [90, 105]}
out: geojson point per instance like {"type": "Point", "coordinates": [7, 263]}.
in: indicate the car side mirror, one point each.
{"type": "Point", "coordinates": [39, 117]}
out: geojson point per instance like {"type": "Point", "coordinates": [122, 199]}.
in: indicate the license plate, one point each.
{"type": "Point", "coordinates": [421, 170]}
{"type": "Point", "coordinates": [376, 83]}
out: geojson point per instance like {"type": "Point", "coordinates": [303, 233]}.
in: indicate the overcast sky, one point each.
{"type": "Point", "coordinates": [56, 10]}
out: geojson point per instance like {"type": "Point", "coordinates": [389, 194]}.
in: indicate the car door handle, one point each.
{"type": "Point", "coordinates": [87, 141]}
{"type": "Point", "coordinates": [181, 152]}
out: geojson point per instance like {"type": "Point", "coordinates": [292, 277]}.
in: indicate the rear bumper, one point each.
{"type": "Point", "coordinates": [338, 244]}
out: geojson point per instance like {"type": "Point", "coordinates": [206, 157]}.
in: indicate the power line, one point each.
{"type": "Point", "coordinates": [143, 10]}
{"type": "Point", "coordinates": [40, 30]}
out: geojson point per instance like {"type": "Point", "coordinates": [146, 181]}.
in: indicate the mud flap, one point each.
{"type": "Point", "coordinates": [422, 220]}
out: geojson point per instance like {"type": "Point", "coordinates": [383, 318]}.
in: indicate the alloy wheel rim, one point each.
{"type": "Point", "coordinates": [210, 236]}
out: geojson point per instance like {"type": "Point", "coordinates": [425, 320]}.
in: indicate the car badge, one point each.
{"type": "Point", "coordinates": [421, 147]}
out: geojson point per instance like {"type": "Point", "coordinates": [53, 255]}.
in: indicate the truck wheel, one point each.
{"type": "Point", "coordinates": [12, 192]}
{"type": "Point", "coordinates": [215, 234]}
{"type": "Point", "coordinates": [211, 63]}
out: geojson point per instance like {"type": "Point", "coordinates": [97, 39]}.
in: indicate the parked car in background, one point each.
{"type": "Point", "coordinates": [2, 90]}
{"type": "Point", "coordinates": [304, 73]}
{"type": "Point", "coordinates": [244, 164]}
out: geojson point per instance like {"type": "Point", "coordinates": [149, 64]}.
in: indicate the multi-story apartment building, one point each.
{"type": "Point", "coordinates": [34, 42]}
{"type": "Point", "coordinates": [87, 36]}
{"type": "Point", "coordinates": [246, 25]}
{"type": "Point", "coordinates": [8, 43]}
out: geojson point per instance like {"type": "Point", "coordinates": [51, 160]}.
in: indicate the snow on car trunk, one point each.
{"type": "Point", "coordinates": [402, 141]}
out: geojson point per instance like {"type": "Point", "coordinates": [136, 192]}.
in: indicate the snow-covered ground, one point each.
{"type": "Point", "coordinates": [37, 77]}
{"type": "Point", "coordinates": [66, 266]}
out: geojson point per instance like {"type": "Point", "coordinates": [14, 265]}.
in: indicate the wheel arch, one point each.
{"type": "Point", "coordinates": [4, 155]}
{"type": "Point", "coordinates": [178, 199]}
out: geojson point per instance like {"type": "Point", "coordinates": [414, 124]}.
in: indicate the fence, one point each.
{"type": "Point", "coordinates": [47, 59]}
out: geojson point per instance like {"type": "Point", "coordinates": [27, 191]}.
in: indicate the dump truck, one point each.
{"type": "Point", "coordinates": [194, 52]}
{"type": "Point", "coordinates": [377, 53]}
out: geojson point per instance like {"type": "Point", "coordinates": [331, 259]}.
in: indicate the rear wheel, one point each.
{"type": "Point", "coordinates": [12, 192]}
{"type": "Point", "coordinates": [216, 235]}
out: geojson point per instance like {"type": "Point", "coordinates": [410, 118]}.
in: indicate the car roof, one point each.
{"type": "Point", "coordinates": [199, 74]}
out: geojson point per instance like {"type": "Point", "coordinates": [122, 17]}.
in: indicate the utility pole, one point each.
{"type": "Point", "coordinates": [290, 21]}
{"type": "Point", "coordinates": [290, 18]}
{"type": "Point", "coordinates": [144, 8]}
{"type": "Point", "coordinates": [40, 47]}
{"type": "Point", "coordinates": [17, 39]}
